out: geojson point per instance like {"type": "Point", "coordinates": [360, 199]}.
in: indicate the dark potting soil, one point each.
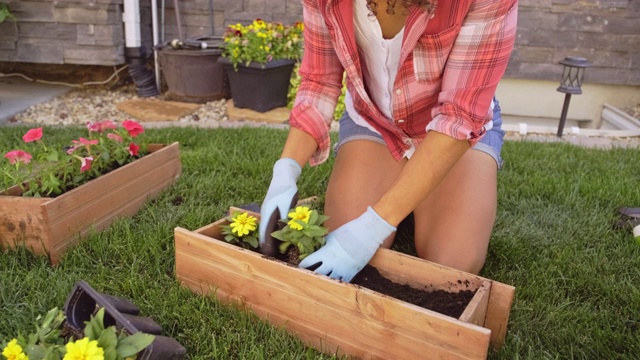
{"type": "Point", "coordinates": [443, 302]}
{"type": "Point", "coordinates": [446, 303]}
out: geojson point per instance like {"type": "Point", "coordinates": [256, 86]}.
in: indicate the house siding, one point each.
{"type": "Point", "coordinates": [606, 32]}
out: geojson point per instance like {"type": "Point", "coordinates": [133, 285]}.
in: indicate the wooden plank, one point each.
{"type": "Point", "coordinates": [56, 223]}
{"type": "Point", "coordinates": [321, 310]}
{"type": "Point", "coordinates": [476, 311]}
{"type": "Point", "coordinates": [420, 273]}
{"type": "Point", "coordinates": [122, 192]}
{"type": "Point", "coordinates": [498, 310]}
{"type": "Point", "coordinates": [22, 223]}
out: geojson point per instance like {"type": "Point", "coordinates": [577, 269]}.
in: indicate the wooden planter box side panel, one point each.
{"type": "Point", "coordinates": [499, 298]}
{"type": "Point", "coordinates": [119, 193]}
{"type": "Point", "coordinates": [55, 224]}
{"type": "Point", "coordinates": [329, 315]}
{"type": "Point", "coordinates": [498, 310]}
{"type": "Point", "coordinates": [22, 223]}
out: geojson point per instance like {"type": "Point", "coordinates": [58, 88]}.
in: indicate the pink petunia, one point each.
{"type": "Point", "coordinates": [71, 149]}
{"type": "Point", "coordinates": [133, 149]}
{"type": "Point", "coordinates": [85, 163]}
{"type": "Point", "coordinates": [101, 126]}
{"type": "Point", "coordinates": [32, 135]}
{"type": "Point", "coordinates": [94, 127]}
{"type": "Point", "coordinates": [16, 156]}
{"type": "Point", "coordinates": [115, 137]}
{"type": "Point", "coordinates": [133, 128]}
{"type": "Point", "coordinates": [108, 124]}
{"type": "Point", "coordinates": [85, 142]}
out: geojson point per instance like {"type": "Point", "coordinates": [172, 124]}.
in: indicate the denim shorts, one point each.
{"type": "Point", "coordinates": [491, 142]}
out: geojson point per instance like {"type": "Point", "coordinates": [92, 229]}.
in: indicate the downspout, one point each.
{"type": "Point", "coordinates": [136, 58]}
{"type": "Point", "coordinates": [154, 27]}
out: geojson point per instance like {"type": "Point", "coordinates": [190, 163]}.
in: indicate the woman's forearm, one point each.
{"type": "Point", "coordinates": [430, 163]}
{"type": "Point", "coordinates": [299, 146]}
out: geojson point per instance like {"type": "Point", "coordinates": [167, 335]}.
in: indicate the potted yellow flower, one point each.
{"type": "Point", "coordinates": [242, 230]}
{"type": "Point", "coordinates": [302, 235]}
{"type": "Point", "coordinates": [53, 340]}
{"type": "Point", "coordinates": [259, 60]}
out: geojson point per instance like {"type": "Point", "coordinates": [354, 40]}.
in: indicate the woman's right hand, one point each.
{"type": "Point", "coordinates": [282, 190]}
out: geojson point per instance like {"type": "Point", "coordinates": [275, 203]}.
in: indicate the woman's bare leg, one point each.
{"type": "Point", "coordinates": [454, 224]}
{"type": "Point", "coordinates": [362, 172]}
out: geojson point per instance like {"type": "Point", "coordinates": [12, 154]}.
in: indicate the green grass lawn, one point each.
{"type": "Point", "coordinates": [577, 278]}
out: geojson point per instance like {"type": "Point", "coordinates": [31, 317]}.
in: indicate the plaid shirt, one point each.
{"type": "Point", "coordinates": [451, 62]}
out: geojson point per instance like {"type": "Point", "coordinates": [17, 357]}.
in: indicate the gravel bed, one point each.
{"type": "Point", "coordinates": [79, 106]}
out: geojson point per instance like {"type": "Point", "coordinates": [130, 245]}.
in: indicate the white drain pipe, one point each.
{"type": "Point", "coordinates": [154, 27]}
{"type": "Point", "coordinates": [131, 19]}
{"type": "Point", "coordinates": [146, 84]}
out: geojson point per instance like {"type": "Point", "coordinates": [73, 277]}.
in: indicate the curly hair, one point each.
{"type": "Point", "coordinates": [428, 5]}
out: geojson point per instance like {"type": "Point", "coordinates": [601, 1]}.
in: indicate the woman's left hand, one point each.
{"type": "Point", "coordinates": [350, 247]}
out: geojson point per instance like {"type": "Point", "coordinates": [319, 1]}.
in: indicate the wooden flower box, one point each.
{"type": "Point", "coordinates": [341, 318]}
{"type": "Point", "coordinates": [51, 225]}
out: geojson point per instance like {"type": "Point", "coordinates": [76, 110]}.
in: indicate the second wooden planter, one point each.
{"type": "Point", "coordinates": [341, 318]}
{"type": "Point", "coordinates": [51, 225]}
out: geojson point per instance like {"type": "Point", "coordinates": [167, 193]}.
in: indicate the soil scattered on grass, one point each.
{"type": "Point", "coordinates": [446, 303]}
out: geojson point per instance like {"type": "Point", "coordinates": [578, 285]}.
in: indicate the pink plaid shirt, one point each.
{"type": "Point", "coordinates": [451, 62]}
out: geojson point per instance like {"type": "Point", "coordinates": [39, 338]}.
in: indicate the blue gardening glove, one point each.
{"type": "Point", "coordinates": [350, 247]}
{"type": "Point", "coordinates": [281, 191]}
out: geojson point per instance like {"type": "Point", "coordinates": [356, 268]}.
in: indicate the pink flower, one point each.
{"type": "Point", "coordinates": [133, 149]}
{"type": "Point", "coordinates": [16, 156]}
{"type": "Point", "coordinates": [108, 124]}
{"type": "Point", "coordinates": [32, 135]}
{"type": "Point", "coordinates": [101, 126]}
{"type": "Point", "coordinates": [85, 163]}
{"type": "Point", "coordinates": [115, 137]}
{"type": "Point", "coordinates": [85, 142]}
{"type": "Point", "coordinates": [94, 127]}
{"type": "Point", "coordinates": [132, 127]}
{"type": "Point", "coordinates": [71, 149]}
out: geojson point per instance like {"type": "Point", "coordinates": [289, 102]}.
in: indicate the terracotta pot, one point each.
{"type": "Point", "coordinates": [259, 86]}
{"type": "Point", "coordinates": [51, 225]}
{"type": "Point", "coordinates": [337, 317]}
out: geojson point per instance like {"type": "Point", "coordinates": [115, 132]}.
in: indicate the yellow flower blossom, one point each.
{"type": "Point", "coordinates": [13, 351]}
{"type": "Point", "coordinates": [84, 349]}
{"type": "Point", "coordinates": [301, 213]}
{"type": "Point", "coordinates": [242, 224]}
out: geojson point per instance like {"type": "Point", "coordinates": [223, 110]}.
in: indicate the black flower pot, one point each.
{"type": "Point", "coordinates": [259, 86]}
{"type": "Point", "coordinates": [84, 301]}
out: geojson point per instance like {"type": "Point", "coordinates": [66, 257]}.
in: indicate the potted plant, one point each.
{"type": "Point", "coordinates": [259, 60]}
{"type": "Point", "coordinates": [50, 196]}
{"type": "Point", "coordinates": [242, 230]}
{"type": "Point", "coordinates": [302, 235]}
{"type": "Point", "coordinates": [348, 318]}
{"type": "Point", "coordinates": [55, 340]}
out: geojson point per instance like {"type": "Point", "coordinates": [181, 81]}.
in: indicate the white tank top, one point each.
{"type": "Point", "coordinates": [380, 59]}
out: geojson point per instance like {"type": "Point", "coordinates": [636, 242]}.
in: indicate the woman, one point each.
{"type": "Point", "coordinates": [421, 79]}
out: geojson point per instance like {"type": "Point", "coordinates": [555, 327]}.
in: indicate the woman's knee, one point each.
{"type": "Point", "coordinates": [468, 260]}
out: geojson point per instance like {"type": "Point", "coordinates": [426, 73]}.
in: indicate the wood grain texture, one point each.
{"type": "Point", "coordinates": [55, 224]}
{"type": "Point", "coordinates": [337, 317]}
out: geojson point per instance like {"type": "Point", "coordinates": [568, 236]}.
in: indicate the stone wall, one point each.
{"type": "Point", "coordinates": [64, 32]}
{"type": "Point", "coordinates": [606, 32]}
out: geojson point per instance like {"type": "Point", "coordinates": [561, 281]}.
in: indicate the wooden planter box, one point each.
{"type": "Point", "coordinates": [51, 225]}
{"type": "Point", "coordinates": [337, 317]}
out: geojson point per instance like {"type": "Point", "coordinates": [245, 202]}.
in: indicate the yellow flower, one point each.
{"type": "Point", "coordinates": [301, 213]}
{"type": "Point", "coordinates": [84, 349]}
{"type": "Point", "coordinates": [13, 351]}
{"type": "Point", "coordinates": [243, 224]}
